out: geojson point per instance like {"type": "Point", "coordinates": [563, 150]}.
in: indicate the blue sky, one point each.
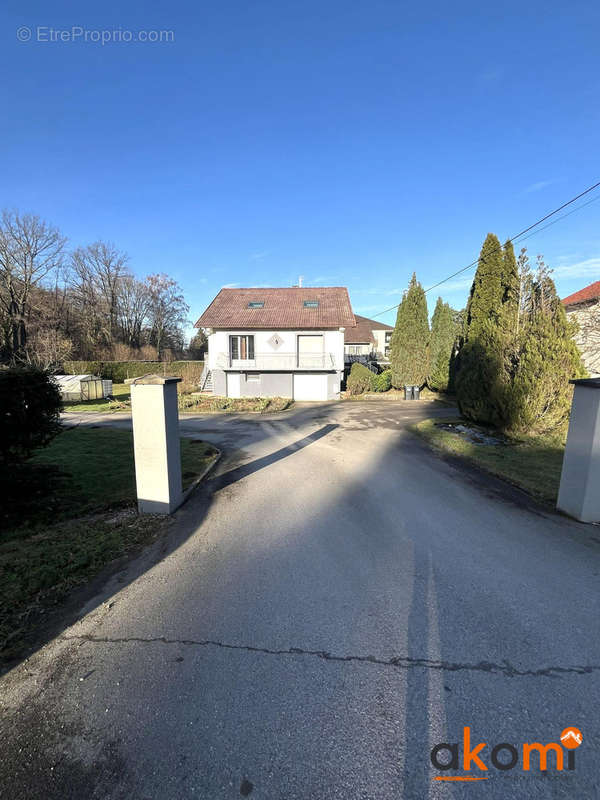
{"type": "Point", "coordinates": [350, 143]}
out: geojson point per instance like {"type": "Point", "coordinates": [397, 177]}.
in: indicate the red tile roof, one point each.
{"type": "Point", "coordinates": [591, 292]}
{"type": "Point", "coordinates": [283, 308]}
{"type": "Point", "coordinates": [363, 330]}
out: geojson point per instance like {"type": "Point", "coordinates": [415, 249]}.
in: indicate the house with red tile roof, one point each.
{"type": "Point", "coordinates": [584, 307]}
{"type": "Point", "coordinates": [368, 340]}
{"type": "Point", "coordinates": [276, 342]}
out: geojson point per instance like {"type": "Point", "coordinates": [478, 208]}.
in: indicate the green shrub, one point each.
{"type": "Point", "coordinates": [360, 379]}
{"type": "Point", "coordinates": [383, 381]}
{"type": "Point", "coordinates": [30, 406]}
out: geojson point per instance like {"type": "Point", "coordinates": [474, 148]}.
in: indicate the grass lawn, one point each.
{"type": "Point", "coordinates": [121, 402]}
{"type": "Point", "coordinates": [534, 464]}
{"type": "Point", "coordinates": [72, 511]}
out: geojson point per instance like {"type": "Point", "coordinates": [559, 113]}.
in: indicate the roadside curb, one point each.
{"type": "Point", "coordinates": [195, 483]}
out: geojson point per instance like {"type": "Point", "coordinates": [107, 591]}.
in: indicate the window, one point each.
{"type": "Point", "coordinates": [252, 377]}
{"type": "Point", "coordinates": [311, 304]}
{"type": "Point", "coordinates": [241, 348]}
{"type": "Point", "coordinates": [388, 337]}
{"type": "Point", "coordinates": [256, 304]}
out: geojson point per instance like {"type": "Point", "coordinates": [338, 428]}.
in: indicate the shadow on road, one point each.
{"type": "Point", "coordinates": [183, 524]}
{"type": "Point", "coordinates": [236, 474]}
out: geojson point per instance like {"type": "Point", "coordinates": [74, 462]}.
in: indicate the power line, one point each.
{"type": "Point", "coordinates": [517, 236]}
{"type": "Point", "coordinates": [568, 214]}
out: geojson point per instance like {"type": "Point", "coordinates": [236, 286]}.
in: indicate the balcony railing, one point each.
{"type": "Point", "coordinates": [278, 361]}
{"type": "Point", "coordinates": [365, 358]}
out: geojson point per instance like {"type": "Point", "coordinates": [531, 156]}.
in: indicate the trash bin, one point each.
{"type": "Point", "coordinates": [408, 392]}
{"type": "Point", "coordinates": [416, 392]}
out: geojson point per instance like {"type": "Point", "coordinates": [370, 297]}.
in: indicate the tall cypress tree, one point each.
{"type": "Point", "coordinates": [443, 339]}
{"type": "Point", "coordinates": [409, 351]}
{"type": "Point", "coordinates": [481, 375]}
{"type": "Point", "coordinates": [510, 290]}
{"type": "Point", "coordinates": [485, 299]}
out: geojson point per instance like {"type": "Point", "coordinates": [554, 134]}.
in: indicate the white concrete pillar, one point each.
{"type": "Point", "coordinates": [156, 444]}
{"type": "Point", "coordinates": [579, 493]}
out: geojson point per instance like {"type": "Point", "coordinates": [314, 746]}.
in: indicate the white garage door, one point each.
{"type": "Point", "coordinates": [310, 386]}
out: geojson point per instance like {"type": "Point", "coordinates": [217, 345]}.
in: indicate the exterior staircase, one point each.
{"type": "Point", "coordinates": [206, 382]}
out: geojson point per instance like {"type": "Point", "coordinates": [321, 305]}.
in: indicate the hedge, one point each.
{"type": "Point", "coordinates": [30, 406]}
{"type": "Point", "coordinates": [119, 371]}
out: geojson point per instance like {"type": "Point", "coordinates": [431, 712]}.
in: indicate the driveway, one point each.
{"type": "Point", "coordinates": [330, 605]}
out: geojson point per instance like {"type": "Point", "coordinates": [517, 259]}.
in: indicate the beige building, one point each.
{"type": "Point", "coordinates": [368, 340]}
{"type": "Point", "coordinates": [584, 308]}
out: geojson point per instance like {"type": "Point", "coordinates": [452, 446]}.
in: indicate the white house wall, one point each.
{"type": "Point", "coordinates": [218, 345]}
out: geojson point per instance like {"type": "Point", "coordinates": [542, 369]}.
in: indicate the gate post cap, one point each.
{"type": "Point", "coordinates": [591, 383]}
{"type": "Point", "coordinates": [154, 380]}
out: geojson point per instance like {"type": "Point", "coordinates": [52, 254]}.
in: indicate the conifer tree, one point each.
{"type": "Point", "coordinates": [443, 340]}
{"type": "Point", "coordinates": [485, 299]}
{"type": "Point", "coordinates": [481, 377]}
{"type": "Point", "coordinates": [409, 351]}
{"type": "Point", "coordinates": [510, 290]}
{"type": "Point", "coordinates": [547, 359]}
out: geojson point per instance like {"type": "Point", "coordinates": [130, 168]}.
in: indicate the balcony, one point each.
{"type": "Point", "coordinates": [367, 358]}
{"type": "Point", "coordinates": [278, 362]}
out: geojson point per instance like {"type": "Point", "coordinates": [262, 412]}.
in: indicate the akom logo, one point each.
{"type": "Point", "coordinates": [504, 756]}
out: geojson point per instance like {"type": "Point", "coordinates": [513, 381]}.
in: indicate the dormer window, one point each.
{"type": "Point", "coordinates": [311, 304]}
{"type": "Point", "coordinates": [256, 304]}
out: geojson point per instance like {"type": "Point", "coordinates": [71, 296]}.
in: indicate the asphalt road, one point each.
{"type": "Point", "coordinates": [332, 603]}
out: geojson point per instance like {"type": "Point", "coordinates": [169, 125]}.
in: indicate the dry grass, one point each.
{"type": "Point", "coordinates": [534, 464]}
{"type": "Point", "coordinates": [397, 395]}
{"type": "Point", "coordinates": [209, 404]}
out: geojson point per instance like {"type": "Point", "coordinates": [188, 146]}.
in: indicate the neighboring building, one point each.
{"type": "Point", "coordinates": [276, 342]}
{"type": "Point", "coordinates": [367, 341]}
{"type": "Point", "coordinates": [584, 308]}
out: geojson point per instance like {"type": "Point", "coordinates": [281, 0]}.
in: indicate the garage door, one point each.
{"type": "Point", "coordinates": [310, 386]}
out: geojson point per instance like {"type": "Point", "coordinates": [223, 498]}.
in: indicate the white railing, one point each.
{"type": "Point", "coordinates": [277, 361]}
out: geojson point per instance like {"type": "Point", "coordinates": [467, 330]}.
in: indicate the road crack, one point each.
{"type": "Point", "coordinates": [504, 667]}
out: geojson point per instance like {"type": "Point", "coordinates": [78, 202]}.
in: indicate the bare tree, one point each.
{"type": "Point", "coordinates": [89, 306]}
{"type": "Point", "coordinates": [30, 252]}
{"type": "Point", "coordinates": [167, 313]}
{"type": "Point", "coordinates": [133, 308]}
{"type": "Point", "coordinates": [98, 274]}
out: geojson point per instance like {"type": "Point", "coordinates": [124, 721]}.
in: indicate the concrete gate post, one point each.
{"type": "Point", "coordinates": [156, 444]}
{"type": "Point", "coordinates": [579, 493]}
